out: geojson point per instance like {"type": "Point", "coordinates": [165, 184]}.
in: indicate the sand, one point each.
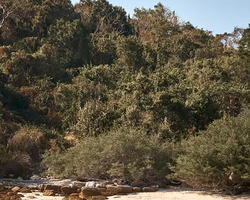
{"type": "Point", "coordinates": [163, 194]}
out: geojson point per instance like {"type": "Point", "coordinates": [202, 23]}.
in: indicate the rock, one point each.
{"type": "Point", "coordinates": [149, 189]}
{"type": "Point", "coordinates": [102, 190]}
{"type": "Point", "coordinates": [19, 178]}
{"type": "Point", "coordinates": [125, 189]}
{"type": "Point", "coordinates": [101, 185]}
{"type": "Point", "coordinates": [66, 191]}
{"type": "Point", "coordinates": [33, 187]}
{"type": "Point", "coordinates": [10, 196]}
{"type": "Point", "coordinates": [49, 193]}
{"type": "Point", "coordinates": [41, 188]}
{"type": "Point", "coordinates": [15, 189]}
{"type": "Point", "coordinates": [136, 189]}
{"type": "Point", "coordinates": [30, 197]}
{"type": "Point", "coordinates": [25, 190]}
{"type": "Point", "coordinates": [77, 184]}
{"type": "Point", "coordinates": [86, 192]}
{"type": "Point", "coordinates": [56, 188]}
{"type": "Point", "coordinates": [113, 189]}
{"type": "Point", "coordinates": [90, 184]}
{"type": "Point", "coordinates": [138, 183]}
{"type": "Point", "coordinates": [99, 197]}
{"type": "Point", "coordinates": [35, 178]}
{"type": "Point", "coordinates": [74, 196]}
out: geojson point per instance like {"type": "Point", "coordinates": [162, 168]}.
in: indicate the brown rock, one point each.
{"type": "Point", "coordinates": [10, 196]}
{"type": "Point", "coordinates": [15, 189]}
{"type": "Point", "coordinates": [66, 191]}
{"type": "Point", "coordinates": [138, 183]}
{"type": "Point", "coordinates": [56, 188]}
{"type": "Point", "coordinates": [25, 190]}
{"type": "Point", "coordinates": [87, 192]}
{"type": "Point", "coordinates": [149, 189]}
{"type": "Point", "coordinates": [33, 187]}
{"type": "Point", "coordinates": [99, 198]}
{"type": "Point", "coordinates": [74, 196]}
{"type": "Point", "coordinates": [125, 189]}
{"type": "Point", "coordinates": [136, 189]}
{"type": "Point", "coordinates": [20, 195]}
{"type": "Point", "coordinates": [49, 193]}
{"type": "Point", "coordinates": [113, 189]}
{"type": "Point", "coordinates": [41, 188]}
{"type": "Point", "coordinates": [102, 190]}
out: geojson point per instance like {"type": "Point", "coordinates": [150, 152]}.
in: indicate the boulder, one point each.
{"type": "Point", "coordinates": [49, 193]}
{"type": "Point", "coordinates": [41, 188]}
{"type": "Point", "coordinates": [87, 192]}
{"type": "Point", "coordinates": [138, 183]}
{"type": "Point", "coordinates": [125, 189]}
{"type": "Point", "coordinates": [74, 196]}
{"type": "Point", "coordinates": [90, 184]}
{"type": "Point", "coordinates": [33, 187]}
{"type": "Point", "coordinates": [67, 191]}
{"type": "Point", "coordinates": [137, 189]}
{"type": "Point", "coordinates": [113, 189]}
{"type": "Point", "coordinates": [149, 189]}
{"type": "Point", "coordinates": [35, 178]}
{"type": "Point", "coordinates": [25, 190]}
{"type": "Point", "coordinates": [56, 188]}
{"type": "Point", "coordinates": [102, 190]}
{"type": "Point", "coordinates": [10, 196]}
{"type": "Point", "coordinates": [15, 189]}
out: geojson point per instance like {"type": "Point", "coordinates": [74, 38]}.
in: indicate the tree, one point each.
{"type": "Point", "coordinates": [100, 16]}
{"type": "Point", "coordinates": [9, 9]}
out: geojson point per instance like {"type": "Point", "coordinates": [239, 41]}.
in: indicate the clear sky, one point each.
{"type": "Point", "coordinates": [218, 16]}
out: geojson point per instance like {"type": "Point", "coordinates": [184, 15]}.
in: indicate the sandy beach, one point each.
{"type": "Point", "coordinates": [162, 194]}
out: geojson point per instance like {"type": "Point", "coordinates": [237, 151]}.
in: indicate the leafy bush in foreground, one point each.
{"type": "Point", "coordinates": [222, 149]}
{"type": "Point", "coordinates": [125, 153]}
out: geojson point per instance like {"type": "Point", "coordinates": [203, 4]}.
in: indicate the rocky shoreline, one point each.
{"type": "Point", "coordinates": [13, 189]}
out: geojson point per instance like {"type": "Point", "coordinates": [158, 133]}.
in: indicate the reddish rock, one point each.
{"type": "Point", "coordinates": [102, 190]}
{"type": "Point", "coordinates": [125, 189]}
{"type": "Point", "coordinates": [56, 188]}
{"type": "Point", "coordinates": [74, 196]}
{"type": "Point", "coordinates": [87, 192]}
{"type": "Point", "coordinates": [66, 191]}
{"type": "Point", "coordinates": [15, 189]}
{"type": "Point", "coordinates": [49, 193]}
{"type": "Point", "coordinates": [25, 190]}
{"type": "Point", "coordinates": [113, 189]}
{"type": "Point", "coordinates": [136, 189]}
{"type": "Point", "coordinates": [41, 188]}
{"type": "Point", "coordinates": [149, 189]}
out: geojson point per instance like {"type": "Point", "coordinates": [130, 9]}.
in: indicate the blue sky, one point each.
{"type": "Point", "coordinates": [218, 16]}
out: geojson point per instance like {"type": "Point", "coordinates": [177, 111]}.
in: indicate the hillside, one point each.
{"type": "Point", "coordinates": [88, 91]}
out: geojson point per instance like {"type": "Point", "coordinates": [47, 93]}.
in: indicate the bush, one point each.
{"type": "Point", "coordinates": [222, 149]}
{"type": "Point", "coordinates": [126, 153]}
{"type": "Point", "coordinates": [26, 148]}
{"type": "Point", "coordinates": [28, 140]}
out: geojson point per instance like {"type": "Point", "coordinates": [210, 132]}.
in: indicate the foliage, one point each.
{"type": "Point", "coordinates": [121, 153]}
{"type": "Point", "coordinates": [86, 70]}
{"type": "Point", "coordinates": [214, 154]}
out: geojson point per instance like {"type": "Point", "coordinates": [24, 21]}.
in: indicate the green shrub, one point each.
{"type": "Point", "coordinates": [212, 156]}
{"type": "Point", "coordinates": [28, 140]}
{"type": "Point", "coordinates": [126, 153]}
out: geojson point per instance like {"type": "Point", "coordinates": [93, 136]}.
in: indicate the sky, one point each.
{"type": "Point", "coordinates": [218, 16]}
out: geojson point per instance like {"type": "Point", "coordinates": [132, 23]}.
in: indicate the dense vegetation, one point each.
{"type": "Point", "coordinates": [91, 91]}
